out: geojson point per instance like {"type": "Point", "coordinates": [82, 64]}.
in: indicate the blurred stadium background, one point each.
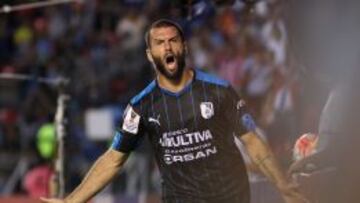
{"type": "Point", "coordinates": [99, 46]}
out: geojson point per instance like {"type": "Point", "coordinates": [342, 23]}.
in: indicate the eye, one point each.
{"type": "Point", "coordinates": [175, 39]}
{"type": "Point", "coordinates": [159, 42]}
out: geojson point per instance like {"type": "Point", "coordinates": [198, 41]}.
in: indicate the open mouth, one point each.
{"type": "Point", "coordinates": [170, 59]}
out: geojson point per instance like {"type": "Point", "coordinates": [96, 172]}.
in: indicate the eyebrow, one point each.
{"type": "Point", "coordinates": [177, 36]}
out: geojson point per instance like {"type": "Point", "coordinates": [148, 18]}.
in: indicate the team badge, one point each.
{"type": "Point", "coordinates": [207, 109]}
{"type": "Point", "coordinates": [131, 121]}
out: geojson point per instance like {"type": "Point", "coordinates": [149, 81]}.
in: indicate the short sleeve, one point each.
{"type": "Point", "coordinates": [237, 113]}
{"type": "Point", "coordinates": [129, 133]}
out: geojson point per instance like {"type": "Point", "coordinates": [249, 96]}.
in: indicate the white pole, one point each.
{"type": "Point", "coordinates": [8, 8]}
{"type": "Point", "coordinates": [60, 134]}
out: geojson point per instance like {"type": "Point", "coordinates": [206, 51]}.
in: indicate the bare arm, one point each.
{"type": "Point", "coordinates": [262, 156]}
{"type": "Point", "coordinates": [100, 174]}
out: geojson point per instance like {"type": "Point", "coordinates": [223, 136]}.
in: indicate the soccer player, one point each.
{"type": "Point", "coordinates": [191, 119]}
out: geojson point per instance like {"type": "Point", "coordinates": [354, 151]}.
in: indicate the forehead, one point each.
{"type": "Point", "coordinates": [163, 33]}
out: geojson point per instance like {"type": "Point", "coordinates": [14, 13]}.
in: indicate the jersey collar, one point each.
{"type": "Point", "coordinates": [181, 92]}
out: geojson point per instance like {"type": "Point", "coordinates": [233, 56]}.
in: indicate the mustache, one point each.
{"type": "Point", "coordinates": [160, 65]}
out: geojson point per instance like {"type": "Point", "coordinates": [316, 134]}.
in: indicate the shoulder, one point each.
{"type": "Point", "coordinates": [142, 95]}
{"type": "Point", "coordinates": [210, 78]}
{"type": "Point", "coordinates": [222, 87]}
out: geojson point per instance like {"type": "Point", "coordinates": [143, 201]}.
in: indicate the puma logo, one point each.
{"type": "Point", "coordinates": [153, 120]}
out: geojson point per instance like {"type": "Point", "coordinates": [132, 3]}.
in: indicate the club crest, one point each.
{"type": "Point", "coordinates": [131, 121]}
{"type": "Point", "coordinates": [207, 109]}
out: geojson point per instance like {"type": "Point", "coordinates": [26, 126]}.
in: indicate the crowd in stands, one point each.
{"type": "Point", "coordinates": [100, 47]}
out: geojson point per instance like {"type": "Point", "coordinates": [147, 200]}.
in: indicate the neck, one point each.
{"type": "Point", "coordinates": [175, 85]}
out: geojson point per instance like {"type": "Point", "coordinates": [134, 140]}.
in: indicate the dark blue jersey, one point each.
{"type": "Point", "coordinates": [192, 134]}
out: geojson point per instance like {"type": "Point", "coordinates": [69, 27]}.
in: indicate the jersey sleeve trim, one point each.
{"type": "Point", "coordinates": [248, 122]}
{"type": "Point", "coordinates": [135, 100]}
{"type": "Point", "coordinates": [117, 140]}
{"type": "Point", "coordinates": [206, 77]}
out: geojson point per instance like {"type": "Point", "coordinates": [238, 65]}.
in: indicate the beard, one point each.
{"type": "Point", "coordinates": [160, 65]}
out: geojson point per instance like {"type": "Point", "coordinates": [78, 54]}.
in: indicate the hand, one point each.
{"type": "Point", "coordinates": [291, 194]}
{"type": "Point", "coordinates": [295, 167]}
{"type": "Point", "coordinates": [51, 200]}
{"type": "Point", "coordinates": [292, 172]}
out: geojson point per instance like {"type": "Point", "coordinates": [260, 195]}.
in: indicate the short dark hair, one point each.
{"type": "Point", "coordinates": [163, 23]}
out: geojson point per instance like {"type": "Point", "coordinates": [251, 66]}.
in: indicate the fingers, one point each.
{"type": "Point", "coordinates": [48, 200]}
{"type": "Point", "coordinates": [296, 197]}
{"type": "Point", "coordinates": [289, 188]}
{"type": "Point", "coordinates": [45, 200]}
{"type": "Point", "coordinates": [291, 193]}
{"type": "Point", "coordinates": [294, 185]}
{"type": "Point", "coordinates": [293, 168]}
{"type": "Point", "coordinates": [302, 198]}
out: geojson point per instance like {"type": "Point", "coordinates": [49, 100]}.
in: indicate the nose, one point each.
{"type": "Point", "coordinates": [167, 46]}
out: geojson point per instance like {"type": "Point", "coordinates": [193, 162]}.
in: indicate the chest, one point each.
{"type": "Point", "coordinates": [190, 111]}
{"type": "Point", "coordinates": [188, 127]}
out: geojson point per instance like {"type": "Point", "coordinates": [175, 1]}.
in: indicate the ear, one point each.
{"type": "Point", "coordinates": [149, 56]}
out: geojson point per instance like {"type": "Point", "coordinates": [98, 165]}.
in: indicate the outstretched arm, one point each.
{"type": "Point", "coordinates": [100, 174]}
{"type": "Point", "coordinates": [262, 156]}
